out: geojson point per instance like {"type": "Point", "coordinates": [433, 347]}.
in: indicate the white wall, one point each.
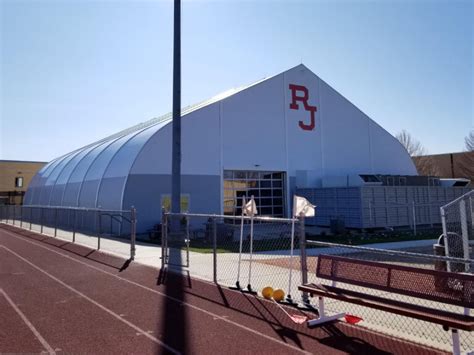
{"type": "Point", "coordinates": [200, 148]}
{"type": "Point", "coordinates": [253, 128]}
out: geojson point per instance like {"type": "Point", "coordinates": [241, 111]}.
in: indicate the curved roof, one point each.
{"type": "Point", "coordinates": [78, 178]}
{"type": "Point", "coordinates": [83, 177]}
{"type": "Point", "coordinates": [96, 175]}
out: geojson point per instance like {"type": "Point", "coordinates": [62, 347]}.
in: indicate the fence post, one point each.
{"type": "Point", "coordinates": [98, 228]}
{"type": "Point", "coordinates": [21, 216]}
{"type": "Point", "coordinates": [214, 248]}
{"type": "Point", "coordinates": [414, 217]}
{"type": "Point", "coordinates": [472, 213]}
{"type": "Point", "coordinates": [187, 241]}
{"type": "Point", "coordinates": [445, 236]}
{"type": "Point", "coordinates": [55, 222]}
{"type": "Point", "coordinates": [74, 227]}
{"type": "Point", "coordinates": [464, 231]}
{"type": "Point", "coordinates": [133, 231]}
{"type": "Point", "coordinates": [14, 214]}
{"type": "Point", "coordinates": [41, 220]}
{"type": "Point", "coordinates": [164, 237]}
{"type": "Point", "coordinates": [31, 216]}
{"type": "Point", "coordinates": [304, 266]}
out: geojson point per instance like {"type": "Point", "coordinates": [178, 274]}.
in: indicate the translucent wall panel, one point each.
{"type": "Point", "coordinates": [111, 188]}
{"type": "Point", "coordinates": [34, 184]}
{"type": "Point", "coordinates": [61, 181]}
{"type": "Point", "coordinates": [37, 198]}
{"type": "Point", "coordinates": [52, 178]}
{"type": "Point", "coordinates": [73, 186]}
{"type": "Point", "coordinates": [90, 185]}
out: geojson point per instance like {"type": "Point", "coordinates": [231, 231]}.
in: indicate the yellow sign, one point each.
{"type": "Point", "coordinates": [166, 202]}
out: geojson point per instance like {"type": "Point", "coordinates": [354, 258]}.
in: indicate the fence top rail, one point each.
{"type": "Point", "coordinates": [74, 208]}
{"type": "Point", "coordinates": [457, 200]}
{"type": "Point", "coordinates": [256, 218]}
{"type": "Point", "coordinates": [392, 252]}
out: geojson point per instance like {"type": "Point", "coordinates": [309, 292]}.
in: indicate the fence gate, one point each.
{"type": "Point", "coordinates": [458, 227]}
{"type": "Point", "coordinates": [175, 240]}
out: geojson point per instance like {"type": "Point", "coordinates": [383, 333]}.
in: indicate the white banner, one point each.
{"type": "Point", "coordinates": [302, 206]}
{"type": "Point", "coordinates": [250, 208]}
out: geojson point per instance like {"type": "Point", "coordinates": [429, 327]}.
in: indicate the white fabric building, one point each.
{"type": "Point", "coordinates": [254, 140]}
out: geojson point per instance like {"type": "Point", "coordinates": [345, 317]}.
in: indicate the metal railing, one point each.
{"type": "Point", "coordinates": [404, 327]}
{"type": "Point", "coordinates": [457, 218]}
{"type": "Point", "coordinates": [211, 249]}
{"type": "Point", "coordinates": [250, 253]}
{"type": "Point", "coordinates": [76, 224]}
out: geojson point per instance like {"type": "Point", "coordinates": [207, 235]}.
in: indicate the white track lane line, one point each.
{"type": "Point", "coordinates": [256, 332]}
{"type": "Point", "coordinates": [38, 336]}
{"type": "Point", "coordinates": [115, 315]}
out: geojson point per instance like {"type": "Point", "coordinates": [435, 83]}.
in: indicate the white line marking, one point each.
{"type": "Point", "coordinates": [115, 315]}
{"type": "Point", "coordinates": [164, 295]}
{"type": "Point", "coordinates": [38, 336]}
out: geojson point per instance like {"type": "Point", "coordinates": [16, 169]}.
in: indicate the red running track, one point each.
{"type": "Point", "coordinates": [60, 297]}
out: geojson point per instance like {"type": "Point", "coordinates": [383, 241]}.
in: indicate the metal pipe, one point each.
{"type": "Point", "coordinates": [176, 145]}
{"type": "Point", "coordinates": [98, 230]}
{"type": "Point", "coordinates": [391, 252]}
{"type": "Point", "coordinates": [304, 266]}
{"type": "Point", "coordinates": [133, 233]}
{"type": "Point", "coordinates": [214, 249]}
{"type": "Point", "coordinates": [41, 220]}
{"type": "Point", "coordinates": [256, 218]}
{"type": "Point", "coordinates": [163, 237]}
{"type": "Point", "coordinates": [470, 193]}
{"type": "Point", "coordinates": [74, 227]}
{"type": "Point", "coordinates": [56, 222]}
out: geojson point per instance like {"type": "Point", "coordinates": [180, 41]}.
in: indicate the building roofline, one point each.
{"type": "Point", "coordinates": [22, 161]}
{"type": "Point", "coordinates": [184, 110]}
{"type": "Point", "coordinates": [439, 154]}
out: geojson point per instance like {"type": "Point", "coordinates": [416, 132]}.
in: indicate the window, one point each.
{"type": "Point", "coordinates": [19, 181]}
{"type": "Point", "coordinates": [265, 186]}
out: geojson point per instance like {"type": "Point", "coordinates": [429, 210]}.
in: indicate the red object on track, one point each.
{"type": "Point", "coordinates": [352, 319]}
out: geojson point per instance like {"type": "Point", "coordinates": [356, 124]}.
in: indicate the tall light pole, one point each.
{"type": "Point", "coordinates": [176, 145]}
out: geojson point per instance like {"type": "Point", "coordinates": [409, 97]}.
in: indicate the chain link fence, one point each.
{"type": "Point", "coordinates": [251, 253]}
{"type": "Point", "coordinates": [400, 326]}
{"type": "Point", "coordinates": [458, 228]}
{"type": "Point", "coordinates": [210, 246]}
{"type": "Point", "coordinates": [96, 228]}
{"type": "Point", "coordinates": [234, 251]}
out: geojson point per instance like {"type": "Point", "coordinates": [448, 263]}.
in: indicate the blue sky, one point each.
{"type": "Point", "coordinates": [73, 72]}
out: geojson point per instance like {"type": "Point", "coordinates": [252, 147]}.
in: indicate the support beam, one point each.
{"type": "Point", "coordinates": [176, 145]}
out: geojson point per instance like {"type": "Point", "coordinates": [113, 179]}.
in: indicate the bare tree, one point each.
{"type": "Point", "coordinates": [424, 163]}
{"type": "Point", "coordinates": [469, 140]}
{"type": "Point", "coordinates": [466, 160]}
{"type": "Point", "coordinates": [413, 146]}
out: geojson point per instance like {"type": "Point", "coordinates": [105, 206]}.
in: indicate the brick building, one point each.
{"type": "Point", "coordinates": [15, 177]}
{"type": "Point", "coordinates": [448, 165]}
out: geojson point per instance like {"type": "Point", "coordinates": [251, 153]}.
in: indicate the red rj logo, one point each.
{"type": "Point", "coordinates": [304, 99]}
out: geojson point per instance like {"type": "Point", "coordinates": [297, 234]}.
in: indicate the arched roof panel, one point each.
{"type": "Point", "coordinates": [50, 178]}
{"type": "Point", "coordinates": [63, 178]}
{"type": "Point", "coordinates": [93, 177]}
{"type": "Point", "coordinates": [111, 188]}
{"type": "Point", "coordinates": [34, 184]}
{"type": "Point", "coordinates": [38, 196]}
{"type": "Point", "coordinates": [76, 178]}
